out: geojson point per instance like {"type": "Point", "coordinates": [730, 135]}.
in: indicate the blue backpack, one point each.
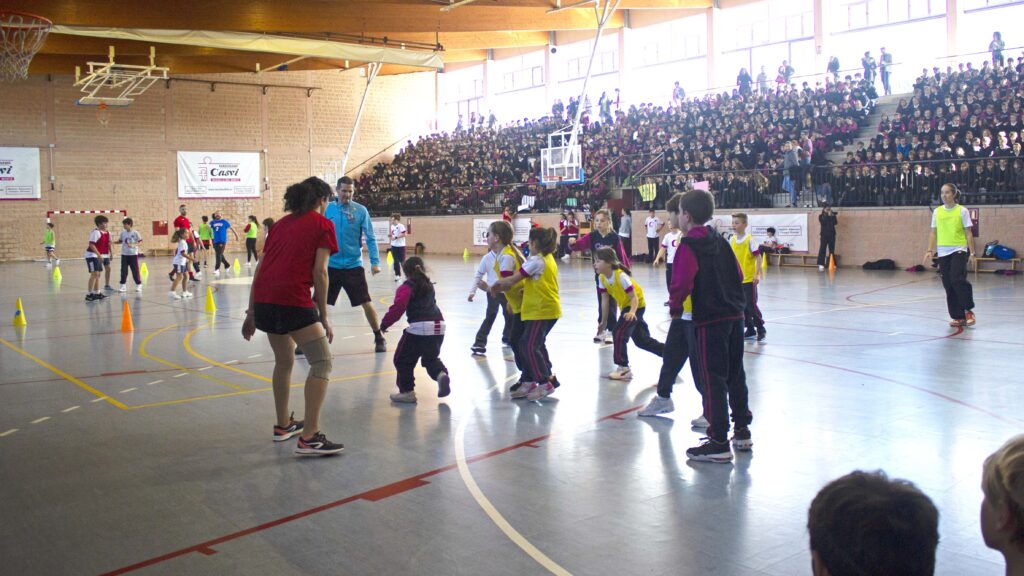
{"type": "Point", "coordinates": [1003, 252]}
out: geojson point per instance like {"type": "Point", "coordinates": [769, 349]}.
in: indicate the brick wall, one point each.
{"type": "Point", "coordinates": [131, 163]}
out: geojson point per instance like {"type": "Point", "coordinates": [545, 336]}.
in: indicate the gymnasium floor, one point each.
{"type": "Point", "coordinates": [150, 452]}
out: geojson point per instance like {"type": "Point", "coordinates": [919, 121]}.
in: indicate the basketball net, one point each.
{"type": "Point", "coordinates": [21, 36]}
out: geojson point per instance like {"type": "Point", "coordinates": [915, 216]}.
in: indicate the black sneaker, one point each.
{"type": "Point", "coordinates": [741, 439]}
{"type": "Point", "coordinates": [294, 427]}
{"type": "Point", "coordinates": [515, 386]}
{"type": "Point", "coordinates": [478, 350]}
{"type": "Point", "coordinates": [318, 445]}
{"type": "Point", "coordinates": [749, 333]}
{"type": "Point", "coordinates": [380, 345]}
{"type": "Point", "coordinates": [170, 276]}
{"type": "Point", "coordinates": [90, 297]}
{"type": "Point", "coordinates": [554, 381]}
{"type": "Point", "coordinates": [443, 385]}
{"type": "Point", "coordinates": [710, 451]}
{"type": "Point", "coordinates": [99, 296]}
{"type": "Point", "coordinates": [761, 334]}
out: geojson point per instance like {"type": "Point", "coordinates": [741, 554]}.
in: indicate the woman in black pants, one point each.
{"type": "Point", "coordinates": [252, 231]}
{"type": "Point", "coordinates": [828, 221]}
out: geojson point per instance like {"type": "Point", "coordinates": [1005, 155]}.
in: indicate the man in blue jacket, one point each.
{"type": "Point", "coordinates": [345, 268]}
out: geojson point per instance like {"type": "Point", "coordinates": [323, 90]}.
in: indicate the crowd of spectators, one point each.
{"type": "Point", "coordinates": [725, 138]}
{"type": "Point", "coordinates": [964, 125]}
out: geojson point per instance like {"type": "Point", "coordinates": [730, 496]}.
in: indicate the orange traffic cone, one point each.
{"type": "Point", "coordinates": [126, 319]}
{"type": "Point", "coordinates": [831, 262]}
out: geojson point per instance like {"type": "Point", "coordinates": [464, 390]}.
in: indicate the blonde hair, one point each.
{"type": "Point", "coordinates": [1002, 481]}
{"type": "Point", "coordinates": [740, 216]}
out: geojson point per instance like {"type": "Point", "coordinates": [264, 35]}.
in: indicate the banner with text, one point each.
{"type": "Point", "coordinates": [218, 175]}
{"type": "Point", "coordinates": [790, 229]}
{"type": "Point", "coordinates": [19, 174]}
{"type": "Point", "coordinates": [520, 230]}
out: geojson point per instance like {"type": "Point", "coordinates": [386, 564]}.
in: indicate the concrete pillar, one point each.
{"type": "Point", "coordinates": [625, 44]}
{"type": "Point", "coordinates": [953, 12]}
{"type": "Point", "coordinates": [712, 45]}
{"type": "Point", "coordinates": [822, 29]}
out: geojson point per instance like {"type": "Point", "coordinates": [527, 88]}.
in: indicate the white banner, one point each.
{"type": "Point", "coordinates": [218, 175]}
{"type": "Point", "coordinates": [19, 174]}
{"type": "Point", "coordinates": [520, 230]}
{"type": "Point", "coordinates": [790, 229]}
{"type": "Point", "coordinates": [382, 233]}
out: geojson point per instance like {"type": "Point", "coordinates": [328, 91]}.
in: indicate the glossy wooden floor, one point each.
{"type": "Point", "coordinates": [150, 452]}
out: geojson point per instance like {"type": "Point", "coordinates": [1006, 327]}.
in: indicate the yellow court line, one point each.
{"type": "Point", "coordinates": [187, 342]}
{"type": "Point", "coordinates": [145, 354]}
{"type": "Point", "coordinates": [488, 508]}
{"type": "Point", "coordinates": [63, 374]}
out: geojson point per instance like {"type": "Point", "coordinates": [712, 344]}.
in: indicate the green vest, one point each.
{"type": "Point", "coordinates": [949, 227]}
{"type": "Point", "coordinates": [252, 230]}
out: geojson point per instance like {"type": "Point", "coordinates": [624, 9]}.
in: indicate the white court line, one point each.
{"type": "Point", "coordinates": [43, 419]}
{"type": "Point", "coordinates": [347, 337]}
{"type": "Point", "coordinates": [9, 432]}
{"type": "Point", "coordinates": [485, 504]}
{"type": "Point", "coordinates": [128, 390]}
{"type": "Point", "coordinates": [181, 375]}
{"type": "Point", "coordinates": [204, 368]}
{"type": "Point", "coordinates": [66, 410]}
{"type": "Point", "coordinates": [97, 400]}
{"type": "Point", "coordinates": [255, 355]}
{"type": "Point", "coordinates": [154, 382]}
{"type": "Point", "coordinates": [232, 362]}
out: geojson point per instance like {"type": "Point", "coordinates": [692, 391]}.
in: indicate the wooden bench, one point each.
{"type": "Point", "coordinates": [1010, 264]}
{"type": "Point", "coordinates": [154, 252]}
{"type": "Point", "coordinates": [801, 259]}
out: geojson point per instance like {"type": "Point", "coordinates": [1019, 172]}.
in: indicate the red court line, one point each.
{"type": "Point", "coordinates": [850, 298]}
{"type": "Point", "coordinates": [372, 495]}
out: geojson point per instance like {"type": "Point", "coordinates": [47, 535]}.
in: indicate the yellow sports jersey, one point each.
{"type": "Point", "coordinates": [949, 227]}
{"type": "Point", "coordinates": [515, 293]}
{"type": "Point", "coordinates": [744, 256]}
{"type": "Point", "coordinates": [540, 296]}
{"type": "Point", "coordinates": [614, 289]}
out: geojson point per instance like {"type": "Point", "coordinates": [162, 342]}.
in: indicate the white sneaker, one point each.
{"type": "Point", "coordinates": [48, 265]}
{"type": "Point", "coordinates": [621, 373]}
{"type": "Point", "coordinates": [186, 294]}
{"type": "Point", "coordinates": [699, 422]}
{"type": "Point", "coordinates": [821, 268]}
{"type": "Point", "coordinates": [123, 288]}
{"type": "Point", "coordinates": [608, 338]}
{"type": "Point", "coordinates": [216, 273]}
{"type": "Point", "coordinates": [523, 391]}
{"type": "Point", "coordinates": [404, 397]}
{"type": "Point", "coordinates": [565, 258]}
{"type": "Point", "coordinates": [540, 391]}
{"type": "Point", "coordinates": [138, 289]}
{"type": "Point", "coordinates": [174, 295]}
{"type": "Point", "coordinates": [398, 279]}
{"type": "Point", "coordinates": [198, 274]}
{"type": "Point", "coordinates": [248, 264]}
{"type": "Point", "coordinates": [57, 263]}
{"type": "Point", "coordinates": [657, 405]}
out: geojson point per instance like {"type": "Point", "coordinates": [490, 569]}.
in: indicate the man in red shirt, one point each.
{"type": "Point", "coordinates": [182, 221]}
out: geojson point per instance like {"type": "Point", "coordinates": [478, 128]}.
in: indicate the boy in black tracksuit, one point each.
{"type": "Point", "coordinates": [706, 269]}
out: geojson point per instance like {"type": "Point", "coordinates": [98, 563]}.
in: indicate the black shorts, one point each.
{"type": "Point", "coordinates": [279, 319]}
{"type": "Point", "coordinates": [94, 265]}
{"type": "Point", "coordinates": [353, 280]}
{"type": "Point", "coordinates": [106, 262]}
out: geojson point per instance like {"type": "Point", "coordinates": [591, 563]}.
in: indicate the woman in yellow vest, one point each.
{"type": "Point", "coordinates": [617, 285]}
{"type": "Point", "coordinates": [541, 308]}
{"type": "Point", "coordinates": [953, 245]}
{"type": "Point", "coordinates": [252, 233]}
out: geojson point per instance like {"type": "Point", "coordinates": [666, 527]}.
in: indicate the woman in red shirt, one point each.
{"type": "Point", "coordinates": [294, 262]}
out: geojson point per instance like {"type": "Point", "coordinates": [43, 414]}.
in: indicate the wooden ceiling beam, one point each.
{"type": "Point", "coordinates": [306, 17]}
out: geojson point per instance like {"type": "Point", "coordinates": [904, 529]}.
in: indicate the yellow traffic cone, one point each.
{"type": "Point", "coordinates": [831, 263]}
{"type": "Point", "coordinates": [19, 314]}
{"type": "Point", "coordinates": [57, 276]}
{"type": "Point", "coordinates": [236, 267]}
{"type": "Point", "coordinates": [144, 271]}
{"type": "Point", "coordinates": [126, 319]}
{"type": "Point", "coordinates": [465, 254]}
{"type": "Point", "coordinates": [211, 306]}
{"type": "Point", "coordinates": [390, 259]}
{"type": "Point", "coordinates": [764, 260]}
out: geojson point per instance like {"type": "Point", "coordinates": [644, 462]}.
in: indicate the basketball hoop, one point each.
{"type": "Point", "coordinates": [21, 36]}
{"type": "Point", "coordinates": [103, 114]}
